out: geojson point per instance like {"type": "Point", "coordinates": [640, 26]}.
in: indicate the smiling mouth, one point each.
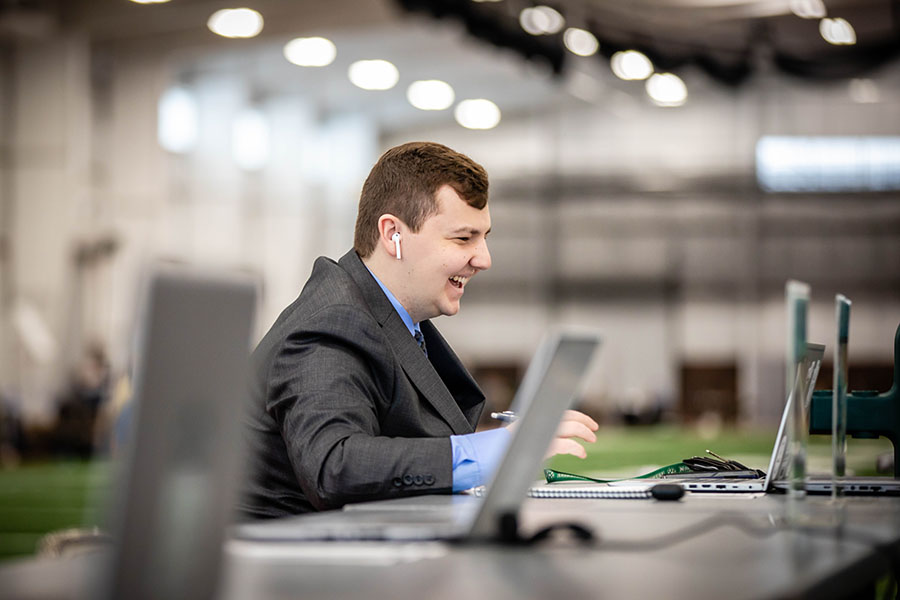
{"type": "Point", "coordinates": [458, 281]}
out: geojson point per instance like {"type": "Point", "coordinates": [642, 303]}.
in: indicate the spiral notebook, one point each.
{"type": "Point", "coordinates": [590, 490]}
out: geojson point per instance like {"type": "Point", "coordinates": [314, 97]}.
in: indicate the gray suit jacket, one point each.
{"type": "Point", "coordinates": [346, 407]}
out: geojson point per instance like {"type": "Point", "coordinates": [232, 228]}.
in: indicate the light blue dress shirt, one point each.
{"type": "Point", "coordinates": [475, 455]}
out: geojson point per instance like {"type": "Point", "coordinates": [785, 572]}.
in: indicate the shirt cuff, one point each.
{"type": "Point", "coordinates": [476, 456]}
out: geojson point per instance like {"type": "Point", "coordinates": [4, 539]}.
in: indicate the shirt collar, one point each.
{"type": "Point", "coordinates": [404, 315]}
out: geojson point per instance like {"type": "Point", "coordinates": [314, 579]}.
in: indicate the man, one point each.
{"type": "Point", "coordinates": [356, 395]}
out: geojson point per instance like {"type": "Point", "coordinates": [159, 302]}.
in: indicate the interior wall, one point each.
{"type": "Point", "coordinates": [46, 196]}
{"type": "Point", "coordinates": [640, 221]}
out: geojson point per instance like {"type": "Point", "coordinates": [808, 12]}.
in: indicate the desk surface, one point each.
{"type": "Point", "coordinates": [753, 554]}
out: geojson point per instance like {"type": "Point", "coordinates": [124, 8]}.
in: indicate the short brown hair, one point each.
{"type": "Point", "coordinates": [404, 182]}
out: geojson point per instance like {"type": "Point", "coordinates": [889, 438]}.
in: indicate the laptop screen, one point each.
{"type": "Point", "coordinates": [809, 365]}
{"type": "Point", "coordinates": [550, 385]}
{"type": "Point", "coordinates": [182, 460]}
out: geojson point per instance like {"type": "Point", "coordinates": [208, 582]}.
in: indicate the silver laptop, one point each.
{"type": "Point", "coordinates": [182, 464]}
{"type": "Point", "coordinates": [778, 464]}
{"type": "Point", "coordinates": [551, 383]}
{"type": "Point", "coordinates": [803, 361]}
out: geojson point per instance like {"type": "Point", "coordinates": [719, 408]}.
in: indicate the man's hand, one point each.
{"type": "Point", "coordinates": [574, 424]}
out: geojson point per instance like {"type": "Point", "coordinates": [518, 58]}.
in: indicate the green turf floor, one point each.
{"type": "Point", "coordinates": [632, 451]}
{"type": "Point", "coordinates": [37, 498]}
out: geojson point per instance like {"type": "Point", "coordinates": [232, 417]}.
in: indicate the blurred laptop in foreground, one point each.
{"type": "Point", "coordinates": [183, 459]}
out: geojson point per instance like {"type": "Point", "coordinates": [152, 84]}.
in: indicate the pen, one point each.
{"type": "Point", "coordinates": [507, 416]}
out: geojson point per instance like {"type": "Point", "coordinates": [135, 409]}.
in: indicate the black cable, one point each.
{"type": "Point", "coordinates": [579, 532]}
{"type": "Point", "coordinates": [509, 532]}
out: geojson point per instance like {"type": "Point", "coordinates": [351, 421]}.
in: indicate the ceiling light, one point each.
{"type": "Point", "coordinates": [149, 1]}
{"type": "Point", "coordinates": [808, 9]}
{"type": "Point", "coordinates": [310, 52]}
{"type": "Point", "coordinates": [236, 22]}
{"type": "Point", "coordinates": [552, 17]}
{"type": "Point", "coordinates": [837, 31]}
{"type": "Point", "coordinates": [430, 94]}
{"type": "Point", "coordinates": [666, 89]}
{"type": "Point", "coordinates": [631, 65]}
{"type": "Point", "coordinates": [373, 74]}
{"type": "Point", "coordinates": [526, 20]}
{"type": "Point", "coordinates": [177, 121]}
{"type": "Point", "coordinates": [477, 113]}
{"type": "Point", "coordinates": [250, 140]}
{"type": "Point", "coordinates": [541, 20]}
{"type": "Point", "coordinates": [580, 41]}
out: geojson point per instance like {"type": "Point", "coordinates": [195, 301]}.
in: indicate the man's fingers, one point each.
{"type": "Point", "coordinates": [574, 424]}
{"type": "Point", "coordinates": [574, 415]}
{"type": "Point", "coordinates": [570, 429]}
{"type": "Point", "coordinates": [565, 446]}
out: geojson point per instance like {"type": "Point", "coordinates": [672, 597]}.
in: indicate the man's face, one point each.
{"type": "Point", "coordinates": [449, 249]}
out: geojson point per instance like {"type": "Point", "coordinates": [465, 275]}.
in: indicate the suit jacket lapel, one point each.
{"type": "Point", "coordinates": [413, 361]}
{"type": "Point", "coordinates": [450, 369]}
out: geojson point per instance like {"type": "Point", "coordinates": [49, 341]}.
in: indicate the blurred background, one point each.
{"type": "Point", "coordinates": [659, 169]}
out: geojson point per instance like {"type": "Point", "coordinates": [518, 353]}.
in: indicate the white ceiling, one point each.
{"type": "Point", "coordinates": [421, 47]}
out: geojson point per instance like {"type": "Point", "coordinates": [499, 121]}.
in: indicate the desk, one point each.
{"type": "Point", "coordinates": [774, 562]}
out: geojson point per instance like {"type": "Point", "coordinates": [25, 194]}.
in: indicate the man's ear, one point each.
{"type": "Point", "coordinates": [388, 225]}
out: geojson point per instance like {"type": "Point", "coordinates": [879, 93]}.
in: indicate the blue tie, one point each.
{"type": "Point", "coordinates": [420, 340]}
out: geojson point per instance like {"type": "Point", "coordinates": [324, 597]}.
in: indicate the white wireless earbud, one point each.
{"type": "Point", "coordinates": [396, 240]}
